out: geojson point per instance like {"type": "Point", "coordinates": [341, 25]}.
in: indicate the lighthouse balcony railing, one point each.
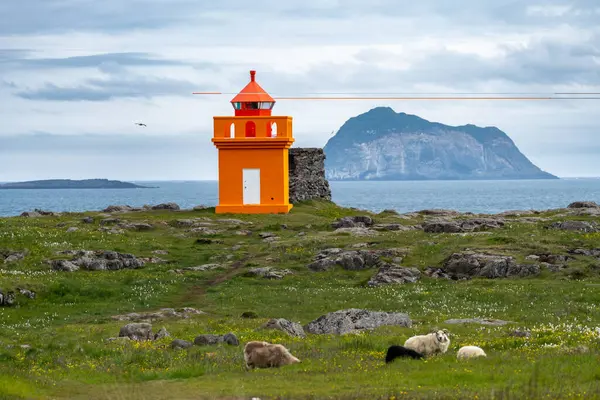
{"type": "Point", "coordinates": [256, 127]}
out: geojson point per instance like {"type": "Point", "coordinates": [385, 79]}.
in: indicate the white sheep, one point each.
{"type": "Point", "coordinates": [432, 343]}
{"type": "Point", "coordinates": [470, 352]}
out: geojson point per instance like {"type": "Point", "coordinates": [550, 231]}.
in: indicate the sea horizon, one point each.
{"type": "Point", "coordinates": [477, 196]}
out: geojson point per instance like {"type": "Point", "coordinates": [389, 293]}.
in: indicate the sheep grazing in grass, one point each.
{"type": "Point", "coordinates": [432, 343]}
{"type": "Point", "coordinates": [267, 355]}
{"type": "Point", "coordinates": [394, 352]}
{"type": "Point", "coordinates": [470, 352]}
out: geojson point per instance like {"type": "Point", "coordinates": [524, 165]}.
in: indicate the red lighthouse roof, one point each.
{"type": "Point", "coordinates": [252, 99]}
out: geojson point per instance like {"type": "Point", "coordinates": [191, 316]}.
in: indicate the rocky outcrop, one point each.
{"type": "Point", "coordinates": [469, 225]}
{"type": "Point", "coordinates": [576, 226]}
{"type": "Point", "coordinates": [353, 260]}
{"type": "Point", "coordinates": [357, 221]}
{"type": "Point", "coordinates": [96, 261]}
{"type": "Point", "coordinates": [468, 265]}
{"type": "Point", "coordinates": [307, 175]}
{"type": "Point", "coordinates": [355, 320]}
{"type": "Point", "coordinates": [293, 329]}
{"type": "Point", "coordinates": [163, 313]}
{"type": "Point", "coordinates": [384, 145]}
{"type": "Point", "coordinates": [394, 274]}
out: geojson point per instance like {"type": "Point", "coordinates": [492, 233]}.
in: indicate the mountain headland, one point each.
{"type": "Point", "coordinates": [384, 145]}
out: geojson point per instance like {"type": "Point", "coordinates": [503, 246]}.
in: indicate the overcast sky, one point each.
{"type": "Point", "coordinates": [76, 74]}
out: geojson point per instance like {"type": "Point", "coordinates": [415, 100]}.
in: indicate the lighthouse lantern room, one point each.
{"type": "Point", "coordinates": [253, 154]}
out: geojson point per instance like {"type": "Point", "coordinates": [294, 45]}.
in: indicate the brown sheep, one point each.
{"type": "Point", "coordinates": [267, 355]}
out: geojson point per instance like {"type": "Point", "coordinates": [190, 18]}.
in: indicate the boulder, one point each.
{"type": "Point", "coordinates": [209, 339]}
{"type": "Point", "coordinates": [137, 331]}
{"type": "Point", "coordinates": [180, 344]}
{"type": "Point", "coordinates": [162, 333]}
{"type": "Point", "coordinates": [394, 274]}
{"type": "Point", "coordinates": [291, 328]}
{"type": "Point", "coordinates": [355, 320]}
{"type": "Point", "coordinates": [7, 298]}
{"type": "Point", "coordinates": [268, 273]}
{"type": "Point", "coordinates": [583, 204]}
{"type": "Point", "coordinates": [166, 206]}
{"type": "Point", "coordinates": [118, 208]}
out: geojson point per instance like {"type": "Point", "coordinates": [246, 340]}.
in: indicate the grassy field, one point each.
{"type": "Point", "coordinates": [66, 325]}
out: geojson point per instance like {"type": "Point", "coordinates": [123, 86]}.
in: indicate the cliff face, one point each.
{"type": "Point", "coordinates": [384, 145]}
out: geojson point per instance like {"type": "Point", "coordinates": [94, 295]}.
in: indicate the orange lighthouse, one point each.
{"type": "Point", "coordinates": [253, 155]}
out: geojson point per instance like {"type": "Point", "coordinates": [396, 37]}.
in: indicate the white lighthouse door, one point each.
{"type": "Point", "coordinates": [251, 178]}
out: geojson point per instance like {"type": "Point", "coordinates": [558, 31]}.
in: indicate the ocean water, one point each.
{"type": "Point", "coordinates": [403, 196]}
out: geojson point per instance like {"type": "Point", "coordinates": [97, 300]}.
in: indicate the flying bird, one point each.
{"type": "Point", "coordinates": [140, 124]}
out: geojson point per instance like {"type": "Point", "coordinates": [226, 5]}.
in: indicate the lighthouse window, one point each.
{"type": "Point", "coordinates": [237, 105]}
{"type": "Point", "coordinates": [266, 105]}
{"type": "Point", "coordinates": [251, 106]}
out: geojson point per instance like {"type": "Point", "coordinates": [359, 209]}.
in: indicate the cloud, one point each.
{"type": "Point", "coordinates": [111, 88]}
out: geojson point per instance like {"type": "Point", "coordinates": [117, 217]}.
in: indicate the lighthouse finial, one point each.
{"type": "Point", "coordinates": [252, 75]}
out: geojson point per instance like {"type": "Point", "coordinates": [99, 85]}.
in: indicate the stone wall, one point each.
{"type": "Point", "coordinates": [307, 175]}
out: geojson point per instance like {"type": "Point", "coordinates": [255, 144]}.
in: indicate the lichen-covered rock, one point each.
{"type": "Point", "coordinates": [268, 273]}
{"type": "Point", "coordinates": [394, 274]}
{"type": "Point", "coordinates": [352, 260]}
{"type": "Point", "coordinates": [137, 331]}
{"type": "Point", "coordinates": [468, 225]}
{"type": "Point", "coordinates": [163, 313]}
{"type": "Point", "coordinates": [355, 320]}
{"type": "Point", "coordinates": [162, 333]}
{"type": "Point", "coordinates": [97, 261]}
{"type": "Point", "coordinates": [468, 265]}
{"type": "Point", "coordinates": [307, 175]}
{"type": "Point", "coordinates": [358, 221]}
{"type": "Point", "coordinates": [291, 328]}
{"type": "Point", "coordinates": [580, 226]}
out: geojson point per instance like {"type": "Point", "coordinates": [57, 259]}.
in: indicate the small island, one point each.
{"type": "Point", "coordinates": [73, 184]}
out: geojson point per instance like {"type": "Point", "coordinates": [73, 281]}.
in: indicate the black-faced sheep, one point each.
{"type": "Point", "coordinates": [470, 352]}
{"type": "Point", "coordinates": [267, 355]}
{"type": "Point", "coordinates": [432, 343]}
{"type": "Point", "coordinates": [394, 352]}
